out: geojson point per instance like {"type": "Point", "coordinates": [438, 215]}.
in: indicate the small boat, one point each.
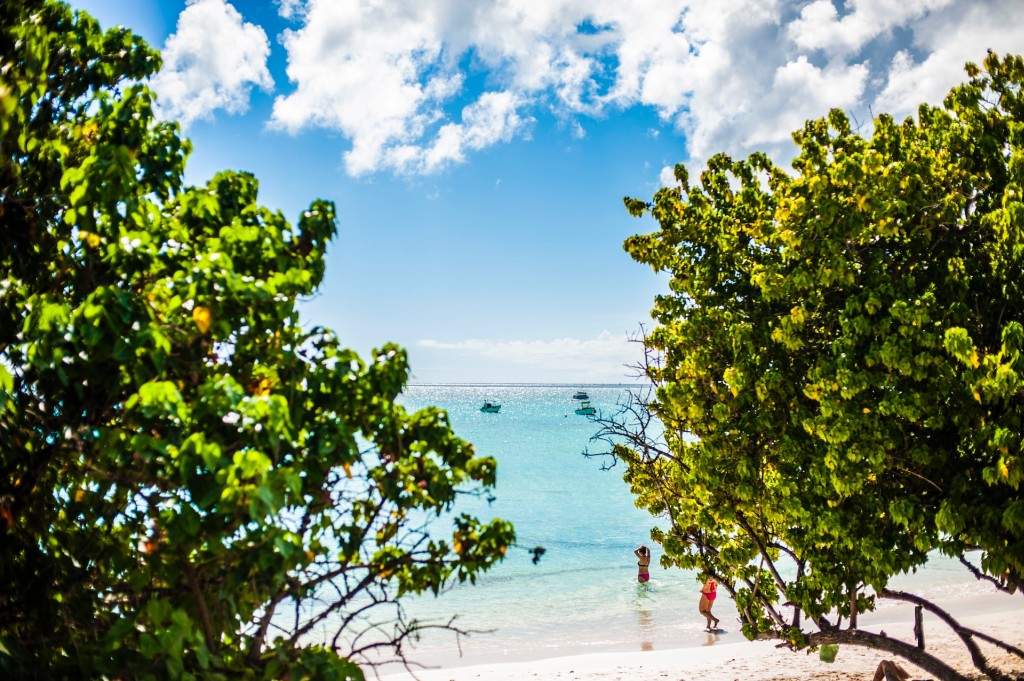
{"type": "Point", "coordinates": [490, 408]}
{"type": "Point", "coordinates": [581, 394]}
{"type": "Point", "coordinates": [585, 409]}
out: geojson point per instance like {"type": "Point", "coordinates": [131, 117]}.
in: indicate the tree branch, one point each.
{"type": "Point", "coordinates": [1011, 588]}
{"type": "Point", "coordinates": [204, 615]}
{"type": "Point", "coordinates": [858, 637]}
{"type": "Point", "coordinates": [964, 634]}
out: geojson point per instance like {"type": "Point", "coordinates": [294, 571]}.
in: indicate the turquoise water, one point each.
{"type": "Point", "coordinates": [583, 595]}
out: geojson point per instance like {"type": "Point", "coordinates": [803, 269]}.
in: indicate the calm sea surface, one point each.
{"type": "Point", "coordinates": [583, 595]}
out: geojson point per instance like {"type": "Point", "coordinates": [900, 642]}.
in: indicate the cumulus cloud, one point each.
{"type": "Point", "coordinates": [667, 177]}
{"type": "Point", "coordinates": [606, 358]}
{"type": "Point", "coordinates": [211, 62]}
{"type": "Point", "coordinates": [290, 9]}
{"type": "Point", "coordinates": [763, 67]}
{"type": "Point", "coordinates": [391, 76]}
{"type": "Point", "coordinates": [401, 81]}
{"type": "Point", "coordinates": [492, 118]}
{"type": "Point", "coordinates": [943, 42]}
{"type": "Point", "coordinates": [798, 88]}
{"type": "Point", "coordinates": [820, 26]}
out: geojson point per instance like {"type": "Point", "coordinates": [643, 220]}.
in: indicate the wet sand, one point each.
{"type": "Point", "coordinates": [733, 658]}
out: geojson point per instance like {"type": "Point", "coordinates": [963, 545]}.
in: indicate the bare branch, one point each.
{"type": "Point", "coordinates": [965, 635]}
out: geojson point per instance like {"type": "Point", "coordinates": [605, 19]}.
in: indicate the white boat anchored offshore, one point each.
{"type": "Point", "coordinates": [585, 409]}
{"type": "Point", "coordinates": [490, 407]}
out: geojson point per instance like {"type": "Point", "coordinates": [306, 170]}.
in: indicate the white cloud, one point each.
{"type": "Point", "coordinates": [947, 40]}
{"type": "Point", "coordinates": [211, 62]}
{"type": "Point", "coordinates": [820, 27]}
{"type": "Point", "coordinates": [731, 75]}
{"type": "Point", "coordinates": [492, 118]}
{"type": "Point", "coordinates": [290, 9]}
{"type": "Point", "coordinates": [606, 358]}
{"type": "Point", "coordinates": [388, 76]}
{"type": "Point", "coordinates": [800, 90]}
{"type": "Point", "coordinates": [763, 67]}
{"type": "Point", "coordinates": [667, 176]}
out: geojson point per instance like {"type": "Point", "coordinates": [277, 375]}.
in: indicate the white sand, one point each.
{"type": "Point", "coordinates": [736, 659]}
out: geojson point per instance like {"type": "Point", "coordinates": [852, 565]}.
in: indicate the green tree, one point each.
{"type": "Point", "coordinates": [837, 368]}
{"type": "Point", "coordinates": [191, 483]}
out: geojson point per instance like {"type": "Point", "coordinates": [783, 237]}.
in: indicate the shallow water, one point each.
{"type": "Point", "coordinates": [583, 595]}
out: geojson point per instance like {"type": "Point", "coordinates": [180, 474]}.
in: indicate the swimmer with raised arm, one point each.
{"type": "Point", "coordinates": [643, 562]}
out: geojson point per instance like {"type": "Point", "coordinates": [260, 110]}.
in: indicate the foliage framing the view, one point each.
{"type": "Point", "coordinates": [838, 368]}
{"type": "Point", "coordinates": [191, 484]}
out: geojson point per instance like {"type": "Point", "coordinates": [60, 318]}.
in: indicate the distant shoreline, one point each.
{"type": "Point", "coordinates": [737, 658]}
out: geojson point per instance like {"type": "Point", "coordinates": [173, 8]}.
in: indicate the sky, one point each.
{"type": "Point", "coordinates": [478, 151]}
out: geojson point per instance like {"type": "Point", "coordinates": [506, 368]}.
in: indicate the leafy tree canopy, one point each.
{"type": "Point", "coordinates": [191, 483]}
{"type": "Point", "coordinates": [838, 366]}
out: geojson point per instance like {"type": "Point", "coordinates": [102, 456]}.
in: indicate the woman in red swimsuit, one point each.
{"type": "Point", "coordinates": [643, 561]}
{"type": "Point", "coordinates": [707, 599]}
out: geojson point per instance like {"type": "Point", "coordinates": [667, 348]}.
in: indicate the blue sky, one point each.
{"type": "Point", "coordinates": [478, 152]}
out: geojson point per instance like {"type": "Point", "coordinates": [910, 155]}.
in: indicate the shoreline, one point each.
{"type": "Point", "coordinates": [732, 657]}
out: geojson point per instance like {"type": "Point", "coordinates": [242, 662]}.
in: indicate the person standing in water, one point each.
{"type": "Point", "coordinates": [707, 599]}
{"type": "Point", "coordinates": [643, 562]}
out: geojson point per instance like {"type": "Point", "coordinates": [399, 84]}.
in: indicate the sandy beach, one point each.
{"type": "Point", "coordinates": [733, 658]}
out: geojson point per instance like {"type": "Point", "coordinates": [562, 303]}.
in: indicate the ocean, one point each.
{"type": "Point", "coordinates": [582, 596]}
